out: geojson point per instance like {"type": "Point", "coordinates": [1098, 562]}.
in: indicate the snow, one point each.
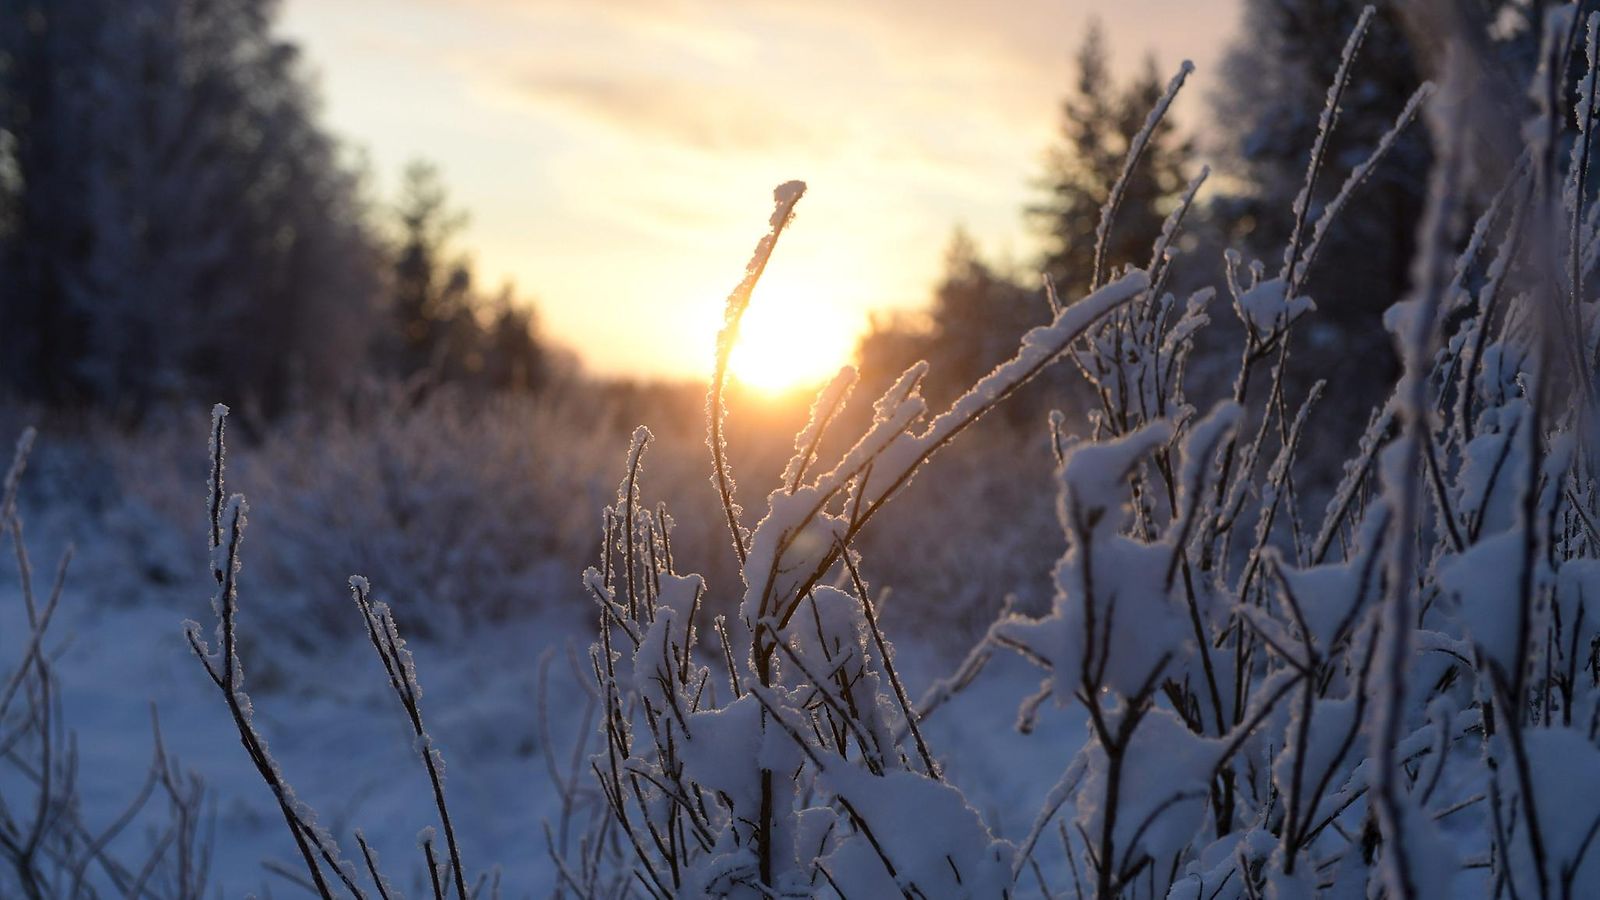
{"type": "Point", "coordinates": [1040, 347]}
{"type": "Point", "coordinates": [332, 726]}
{"type": "Point", "coordinates": [939, 845]}
{"type": "Point", "coordinates": [1563, 763]}
{"type": "Point", "coordinates": [1112, 613]}
{"type": "Point", "coordinates": [335, 730]}
{"type": "Point", "coordinates": [1268, 310]}
{"type": "Point", "coordinates": [829, 400]}
{"type": "Point", "coordinates": [1167, 774]}
{"type": "Point", "coordinates": [1480, 583]}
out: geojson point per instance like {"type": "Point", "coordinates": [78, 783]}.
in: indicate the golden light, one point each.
{"type": "Point", "coordinates": [789, 338]}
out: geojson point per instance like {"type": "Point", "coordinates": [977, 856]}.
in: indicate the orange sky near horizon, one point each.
{"type": "Point", "coordinates": [617, 157]}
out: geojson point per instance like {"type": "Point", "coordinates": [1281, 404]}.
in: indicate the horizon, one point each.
{"type": "Point", "coordinates": [575, 136]}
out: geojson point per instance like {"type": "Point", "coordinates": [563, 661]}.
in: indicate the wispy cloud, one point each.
{"type": "Point", "coordinates": [705, 116]}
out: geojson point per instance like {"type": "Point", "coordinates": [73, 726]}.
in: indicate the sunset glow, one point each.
{"type": "Point", "coordinates": [615, 156]}
{"type": "Point", "coordinates": [787, 341]}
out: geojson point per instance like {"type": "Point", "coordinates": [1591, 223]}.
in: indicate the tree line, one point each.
{"type": "Point", "coordinates": [176, 222]}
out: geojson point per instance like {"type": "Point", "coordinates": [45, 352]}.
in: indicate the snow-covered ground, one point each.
{"type": "Point", "coordinates": [342, 740]}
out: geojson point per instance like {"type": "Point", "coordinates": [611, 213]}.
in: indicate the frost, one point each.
{"type": "Point", "coordinates": [1359, 176]}
{"type": "Point", "coordinates": [1136, 146]}
{"type": "Point", "coordinates": [823, 409]}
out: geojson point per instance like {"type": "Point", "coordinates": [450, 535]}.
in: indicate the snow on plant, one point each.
{"type": "Point", "coordinates": [1401, 699]}
{"type": "Point", "coordinates": [798, 776]}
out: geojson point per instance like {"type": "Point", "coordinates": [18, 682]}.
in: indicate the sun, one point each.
{"type": "Point", "coordinates": [789, 340]}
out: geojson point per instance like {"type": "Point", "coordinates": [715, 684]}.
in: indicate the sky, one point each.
{"type": "Point", "coordinates": [617, 157]}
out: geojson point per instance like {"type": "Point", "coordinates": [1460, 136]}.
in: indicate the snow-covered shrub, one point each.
{"type": "Point", "coordinates": [465, 504]}
{"type": "Point", "coordinates": [475, 507]}
{"type": "Point", "coordinates": [1399, 697]}
{"type": "Point", "coordinates": [704, 781]}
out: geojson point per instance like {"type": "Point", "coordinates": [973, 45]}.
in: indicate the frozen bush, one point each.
{"type": "Point", "coordinates": [1398, 698]}
{"type": "Point", "coordinates": [464, 503]}
{"type": "Point", "coordinates": [1385, 700]}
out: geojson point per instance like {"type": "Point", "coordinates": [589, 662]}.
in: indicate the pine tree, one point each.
{"type": "Point", "coordinates": [975, 318]}
{"type": "Point", "coordinates": [1098, 122]}
{"type": "Point", "coordinates": [442, 327]}
{"type": "Point", "coordinates": [978, 315]}
{"type": "Point", "coordinates": [979, 312]}
{"type": "Point", "coordinates": [429, 290]}
{"type": "Point", "coordinates": [1275, 83]}
{"type": "Point", "coordinates": [515, 358]}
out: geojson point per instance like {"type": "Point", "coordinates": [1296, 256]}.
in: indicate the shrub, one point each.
{"type": "Point", "coordinates": [1400, 698]}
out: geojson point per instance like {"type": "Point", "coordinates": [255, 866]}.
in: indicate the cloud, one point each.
{"type": "Point", "coordinates": [1026, 38]}
{"type": "Point", "coordinates": [913, 80]}
{"type": "Point", "coordinates": [707, 116]}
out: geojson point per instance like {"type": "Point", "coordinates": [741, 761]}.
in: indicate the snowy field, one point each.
{"type": "Point", "coordinates": [342, 739]}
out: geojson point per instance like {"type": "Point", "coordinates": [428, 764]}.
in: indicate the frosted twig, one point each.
{"type": "Point", "coordinates": [1136, 148]}
{"type": "Point", "coordinates": [785, 196]}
